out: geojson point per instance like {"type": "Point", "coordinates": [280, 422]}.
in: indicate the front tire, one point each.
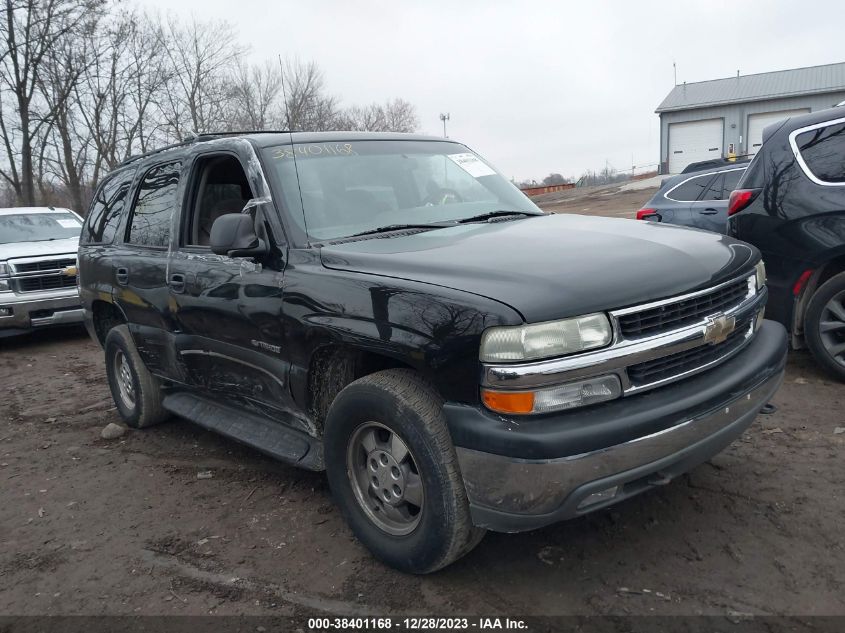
{"type": "Point", "coordinates": [136, 392]}
{"type": "Point", "coordinates": [394, 473]}
{"type": "Point", "coordinates": [824, 325]}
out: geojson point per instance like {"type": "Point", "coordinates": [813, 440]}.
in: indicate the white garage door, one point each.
{"type": "Point", "coordinates": [758, 122]}
{"type": "Point", "coordinates": [693, 141]}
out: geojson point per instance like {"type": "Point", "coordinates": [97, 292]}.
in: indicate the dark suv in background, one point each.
{"type": "Point", "coordinates": [390, 309]}
{"type": "Point", "coordinates": [791, 205]}
{"type": "Point", "coordinates": [698, 197]}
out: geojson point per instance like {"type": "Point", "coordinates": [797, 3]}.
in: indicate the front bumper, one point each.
{"type": "Point", "coordinates": [41, 309]}
{"type": "Point", "coordinates": [521, 475]}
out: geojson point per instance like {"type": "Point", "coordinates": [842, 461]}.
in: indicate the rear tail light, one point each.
{"type": "Point", "coordinates": [643, 214]}
{"type": "Point", "coordinates": [802, 281]}
{"type": "Point", "coordinates": [741, 198]}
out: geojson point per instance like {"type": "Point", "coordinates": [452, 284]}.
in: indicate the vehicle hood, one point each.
{"type": "Point", "coordinates": [38, 249]}
{"type": "Point", "coordinates": [554, 266]}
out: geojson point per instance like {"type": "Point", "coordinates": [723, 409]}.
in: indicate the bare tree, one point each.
{"type": "Point", "coordinates": [554, 179]}
{"type": "Point", "coordinates": [202, 57]}
{"type": "Point", "coordinates": [308, 106]}
{"type": "Point", "coordinates": [397, 115]}
{"type": "Point", "coordinates": [124, 80]}
{"type": "Point", "coordinates": [29, 29]}
{"type": "Point", "coordinates": [65, 150]}
{"type": "Point", "coordinates": [400, 116]}
{"type": "Point", "coordinates": [83, 85]}
{"type": "Point", "coordinates": [256, 97]}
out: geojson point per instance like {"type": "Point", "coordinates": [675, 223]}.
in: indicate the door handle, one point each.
{"type": "Point", "coordinates": [122, 276]}
{"type": "Point", "coordinates": [710, 211]}
{"type": "Point", "coordinates": [177, 282]}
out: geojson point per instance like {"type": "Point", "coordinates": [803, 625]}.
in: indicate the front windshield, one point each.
{"type": "Point", "coordinates": [38, 227]}
{"type": "Point", "coordinates": [353, 187]}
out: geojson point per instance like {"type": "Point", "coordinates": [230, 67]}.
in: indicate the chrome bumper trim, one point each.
{"type": "Point", "coordinates": [62, 317]}
{"type": "Point", "coordinates": [536, 487]}
{"type": "Point", "coordinates": [65, 305]}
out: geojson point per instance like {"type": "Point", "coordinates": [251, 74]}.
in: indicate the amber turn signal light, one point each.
{"type": "Point", "coordinates": [508, 401]}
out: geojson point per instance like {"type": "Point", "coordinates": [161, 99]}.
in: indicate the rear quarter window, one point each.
{"type": "Point", "coordinates": [106, 210]}
{"type": "Point", "coordinates": [823, 152]}
{"type": "Point", "coordinates": [732, 179]}
{"type": "Point", "coordinates": [154, 206]}
{"type": "Point", "coordinates": [690, 190]}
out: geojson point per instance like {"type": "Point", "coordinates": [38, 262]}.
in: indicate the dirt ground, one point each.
{"type": "Point", "coordinates": [135, 525]}
{"type": "Point", "coordinates": [608, 201]}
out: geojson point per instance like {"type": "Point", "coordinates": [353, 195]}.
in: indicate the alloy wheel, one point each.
{"type": "Point", "coordinates": [832, 327]}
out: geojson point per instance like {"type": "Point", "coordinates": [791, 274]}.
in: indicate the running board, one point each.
{"type": "Point", "coordinates": [272, 438]}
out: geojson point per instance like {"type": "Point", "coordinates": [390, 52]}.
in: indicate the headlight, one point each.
{"type": "Point", "coordinates": [545, 340]}
{"type": "Point", "coordinates": [4, 277]}
{"type": "Point", "coordinates": [760, 274]}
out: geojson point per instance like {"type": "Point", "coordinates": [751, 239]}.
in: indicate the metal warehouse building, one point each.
{"type": "Point", "coordinates": [713, 119]}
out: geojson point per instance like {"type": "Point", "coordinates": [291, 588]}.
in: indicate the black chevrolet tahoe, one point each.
{"type": "Point", "coordinates": [791, 205]}
{"type": "Point", "coordinates": [390, 309]}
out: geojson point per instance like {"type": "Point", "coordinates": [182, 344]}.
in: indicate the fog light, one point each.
{"type": "Point", "coordinates": [5, 311]}
{"type": "Point", "coordinates": [598, 497]}
{"type": "Point", "coordinates": [577, 394]}
{"type": "Point", "coordinates": [559, 398]}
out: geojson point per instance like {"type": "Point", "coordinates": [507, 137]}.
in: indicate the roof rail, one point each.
{"type": "Point", "coordinates": [198, 138]}
{"type": "Point", "coordinates": [715, 163]}
{"type": "Point", "coordinates": [205, 135]}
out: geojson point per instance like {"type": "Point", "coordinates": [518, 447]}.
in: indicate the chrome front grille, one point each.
{"type": "Point", "coordinates": [51, 282]}
{"type": "Point", "coordinates": [38, 275]}
{"type": "Point", "coordinates": [674, 314]}
{"type": "Point", "coordinates": [43, 265]}
{"type": "Point", "coordinates": [695, 359]}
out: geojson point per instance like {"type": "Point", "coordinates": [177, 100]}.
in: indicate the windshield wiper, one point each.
{"type": "Point", "coordinates": [493, 214]}
{"type": "Point", "coordinates": [399, 227]}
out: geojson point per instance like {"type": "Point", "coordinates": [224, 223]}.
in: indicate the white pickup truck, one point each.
{"type": "Point", "coordinates": [38, 268]}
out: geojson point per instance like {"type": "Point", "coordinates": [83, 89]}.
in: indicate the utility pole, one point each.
{"type": "Point", "coordinates": [675, 68]}
{"type": "Point", "coordinates": [444, 118]}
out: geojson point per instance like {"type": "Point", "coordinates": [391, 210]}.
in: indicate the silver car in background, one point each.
{"type": "Point", "coordinates": [38, 268]}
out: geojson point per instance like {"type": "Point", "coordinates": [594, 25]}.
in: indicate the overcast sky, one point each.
{"type": "Point", "coordinates": [535, 87]}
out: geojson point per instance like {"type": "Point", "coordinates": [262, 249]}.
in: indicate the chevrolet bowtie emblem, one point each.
{"type": "Point", "coordinates": [69, 271]}
{"type": "Point", "coordinates": [718, 328]}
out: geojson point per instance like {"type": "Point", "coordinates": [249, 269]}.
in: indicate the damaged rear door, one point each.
{"type": "Point", "coordinates": [228, 310]}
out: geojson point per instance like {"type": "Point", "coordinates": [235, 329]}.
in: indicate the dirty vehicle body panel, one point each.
{"type": "Point", "coordinates": [38, 269]}
{"type": "Point", "coordinates": [277, 337]}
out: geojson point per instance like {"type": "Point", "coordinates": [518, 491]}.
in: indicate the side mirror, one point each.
{"type": "Point", "coordinates": [233, 234]}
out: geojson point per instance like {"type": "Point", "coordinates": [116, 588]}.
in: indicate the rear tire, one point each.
{"type": "Point", "coordinates": [394, 473]}
{"type": "Point", "coordinates": [136, 392]}
{"type": "Point", "coordinates": [824, 325]}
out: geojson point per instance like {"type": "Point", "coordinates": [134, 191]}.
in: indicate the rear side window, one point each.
{"type": "Point", "coordinates": [690, 190]}
{"type": "Point", "coordinates": [106, 209]}
{"type": "Point", "coordinates": [154, 206]}
{"type": "Point", "coordinates": [731, 181]}
{"type": "Point", "coordinates": [715, 190]}
{"type": "Point", "coordinates": [823, 151]}
{"type": "Point", "coordinates": [722, 185]}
